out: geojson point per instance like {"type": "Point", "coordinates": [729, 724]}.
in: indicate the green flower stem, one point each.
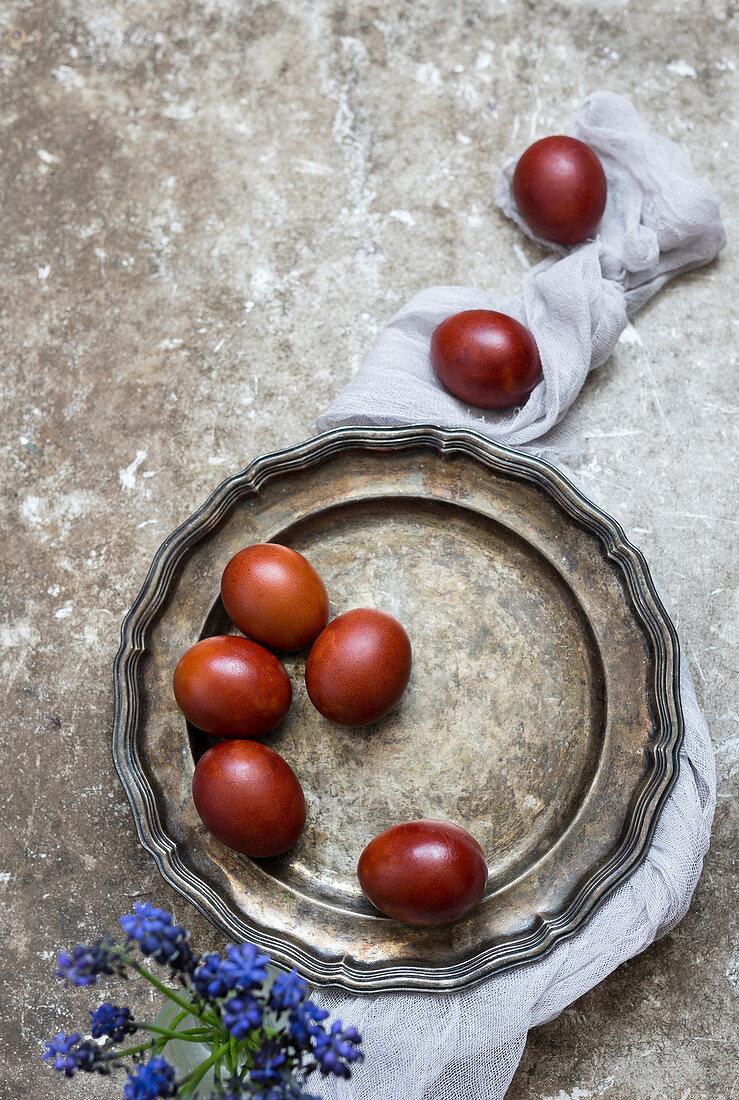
{"type": "Point", "coordinates": [241, 1073]}
{"type": "Point", "coordinates": [195, 1077]}
{"type": "Point", "coordinates": [132, 1050]}
{"type": "Point", "coordinates": [190, 1035]}
{"type": "Point", "coordinates": [188, 1007]}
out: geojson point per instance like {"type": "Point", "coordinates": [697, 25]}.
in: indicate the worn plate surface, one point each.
{"type": "Point", "coordinates": [542, 715]}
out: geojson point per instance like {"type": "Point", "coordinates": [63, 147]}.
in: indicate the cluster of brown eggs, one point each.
{"type": "Point", "coordinates": [357, 669]}
{"type": "Point", "coordinates": [235, 689]}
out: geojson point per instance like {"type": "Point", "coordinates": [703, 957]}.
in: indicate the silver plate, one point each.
{"type": "Point", "coordinates": [543, 713]}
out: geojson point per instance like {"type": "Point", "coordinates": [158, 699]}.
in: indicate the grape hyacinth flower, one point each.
{"type": "Point", "coordinates": [241, 1015]}
{"type": "Point", "coordinates": [156, 1078]}
{"type": "Point", "coordinates": [209, 979]}
{"type": "Point", "coordinates": [336, 1050]}
{"type": "Point", "coordinates": [71, 1054]}
{"type": "Point", "coordinates": [288, 992]}
{"type": "Point", "coordinates": [305, 1024]}
{"type": "Point", "coordinates": [159, 937]}
{"type": "Point", "coordinates": [244, 968]}
{"type": "Point", "coordinates": [85, 964]}
{"type": "Point", "coordinates": [262, 1036]}
{"type": "Point", "coordinates": [110, 1021]}
{"type": "Point", "coordinates": [269, 1065]}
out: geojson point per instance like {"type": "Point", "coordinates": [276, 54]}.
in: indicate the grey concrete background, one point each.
{"type": "Point", "coordinates": [209, 208]}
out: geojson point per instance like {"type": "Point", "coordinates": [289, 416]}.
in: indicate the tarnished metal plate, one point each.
{"type": "Point", "coordinates": [542, 714]}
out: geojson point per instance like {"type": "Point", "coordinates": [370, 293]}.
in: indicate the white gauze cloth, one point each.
{"type": "Point", "coordinates": [466, 1045]}
{"type": "Point", "coordinates": [659, 220]}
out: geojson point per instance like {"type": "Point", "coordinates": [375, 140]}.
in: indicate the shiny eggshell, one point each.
{"type": "Point", "coordinates": [485, 358]}
{"type": "Point", "coordinates": [232, 687]}
{"type": "Point", "coordinates": [560, 189]}
{"type": "Point", "coordinates": [275, 596]}
{"type": "Point", "coordinates": [249, 798]}
{"type": "Point", "coordinates": [358, 667]}
{"type": "Point", "coordinates": [423, 872]}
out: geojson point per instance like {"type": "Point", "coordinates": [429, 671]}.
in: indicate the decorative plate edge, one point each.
{"type": "Point", "coordinates": [549, 931]}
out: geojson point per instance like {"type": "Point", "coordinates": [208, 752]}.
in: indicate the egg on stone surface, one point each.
{"type": "Point", "coordinates": [359, 667]}
{"type": "Point", "coordinates": [423, 872]}
{"type": "Point", "coordinates": [485, 358]}
{"type": "Point", "coordinates": [275, 596]}
{"type": "Point", "coordinates": [249, 797]}
{"type": "Point", "coordinates": [560, 189]}
{"type": "Point", "coordinates": [232, 687]}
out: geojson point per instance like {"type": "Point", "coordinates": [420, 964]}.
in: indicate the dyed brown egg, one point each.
{"type": "Point", "coordinates": [358, 667]}
{"type": "Point", "coordinates": [249, 798]}
{"type": "Point", "coordinates": [275, 596]}
{"type": "Point", "coordinates": [560, 189]}
{"type": "Point", "coordinates": [423, 872]}
{"type": "Point", "coordinates": [232, 687]}
{"type": "Point", "coordinates": [485, 358]}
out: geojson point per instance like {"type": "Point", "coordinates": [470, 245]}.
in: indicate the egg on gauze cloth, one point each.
{"type": "Point", "coordinates": [560, 189]}
{"type": "Point", "coordinates": [485, 358]}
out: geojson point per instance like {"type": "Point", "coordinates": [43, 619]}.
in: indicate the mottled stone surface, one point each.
{"type": "Point", "coordinates": [208, 210]}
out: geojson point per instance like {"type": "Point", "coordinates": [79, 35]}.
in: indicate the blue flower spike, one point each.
{"type": "Point", "coordinates": [305, 1024]}
{"type": "Point", "coordinates": [159, 937]}
{"type": "Point", "coordinates": [85, 964]}
{"type": "Point", "coordinates": [209, 979]}
{"type": "Point", "coordinates": [71, 1054]}
{"type": "Point", "coordinates": [336, 1050]}
{"type": "Point", "coordinates": [112, 1022]}
{"type": "Point", "coordinates": [242, 1014]}
{"type": "Point", "coordinates": [269, 1064]}
{"type": "Point", "coordinates": [155, 1079]}
{"type": "Point", "coordinates": [244, 968]}
{"type": "Point", "coordinates": [288, 992]}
